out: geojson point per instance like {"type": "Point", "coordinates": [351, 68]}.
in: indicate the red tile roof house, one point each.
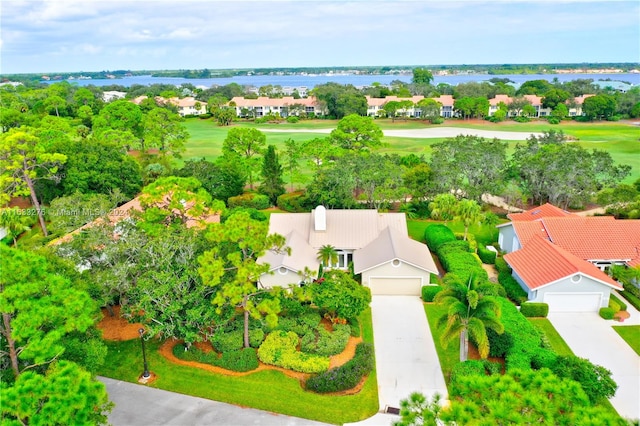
{"type": "Point", "coordinates": [560, 258]}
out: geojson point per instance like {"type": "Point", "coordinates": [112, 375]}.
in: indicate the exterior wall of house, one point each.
{"type": "Point", "coordinates": [584, 284]}
{"type": "Point", "coordinates": [389, 270]}
{"type": "Point", "coordinates": [506, 238]}
{"type": "Point", "coordinates": [281, 277]}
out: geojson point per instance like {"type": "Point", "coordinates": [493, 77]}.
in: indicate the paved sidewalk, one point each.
{"type": "Point", "coordinates": [592, 337]}
{"type": "Point", "coordinates": [406, 357]}
{"type": "Point", "coordinates": [139, 405]}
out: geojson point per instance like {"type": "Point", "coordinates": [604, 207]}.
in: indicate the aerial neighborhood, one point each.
{"type": "Point", "coordinates": [404, 253]}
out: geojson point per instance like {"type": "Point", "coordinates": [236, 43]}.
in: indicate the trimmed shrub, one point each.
{"type": "Point", "coordinates": [607, 313]}
{"type": "Point", "coordinates": [614, 305]}
{"type": "Point", "coordinates": [631, 298]}
{"type": "Point", "coordinates": [429, 292]}
{"type": "Point", "coordinates": [256, 336]}
{"type": "Point", "coordinates": [531, 309]}
{"type": "Point", "coordinates": [470, 367]}
{"type": "Point", "coordinates": [251, 200]}
{"type": "Point", "coordinates": [452, 247]}
{"type": "Point", "coordinates": [293, 119]}
{"type": "Point", "coordinates": [526, 342]}
{"type": "Point", "coordinates": [354, 323]}
{"type": "Point", "coordinates": [346, 376]}
{"type": "Point", "coordinates": [502, 265]}
{"type": "Point", "coordinates": [471, 239]}
{"type": "Point", "coordinates": [499, 344]}
{"type": "Point", "coordinates": [486, 256]}
{"type": "Point", "coordinates": [225, 342]}
{"type": "Point", "coordinates": [457, 260]}
{"type": "Point", "coordinates": [543, 358]}
{"type": "Point", "coordinates": [241, 360]}
{"type": "Point", "coordinates": [436, 235]}
{"type": "Point", "coordinates": [515, 293]}
{"type": "Point", "coordinates": [595, 380]}
{"type": "Point", "coordinates": [292, 202]}
{"type": "Point", "coordinates": [279, 349]}
{"type": "Point", "coordinates": [492, 367]}
{"type": "Point", "coordinates": [322, 342]}
{"type": "Point", "coordinates": [623, 306]}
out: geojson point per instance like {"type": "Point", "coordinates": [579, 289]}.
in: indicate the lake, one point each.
{"type": "Point", "coordinates": [355, 79]}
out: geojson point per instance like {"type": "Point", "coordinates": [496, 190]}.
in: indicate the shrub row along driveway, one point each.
{"type": "Point", "coordinates": [592, 337]}
{"type": "Point", "coordinates": [406, 357]}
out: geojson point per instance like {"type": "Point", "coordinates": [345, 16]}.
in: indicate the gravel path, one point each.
{"type": "Point", "coordinates": [429, 133]}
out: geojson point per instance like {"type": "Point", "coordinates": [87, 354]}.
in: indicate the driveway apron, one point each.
{"type": "Point", "coordinates": [406, 357]}
{"type": "Point", "coordinates": [592, 337]}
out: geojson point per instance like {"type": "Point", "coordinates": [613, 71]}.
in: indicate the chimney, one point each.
{"type": "Point", "coordinates": [320, 219]}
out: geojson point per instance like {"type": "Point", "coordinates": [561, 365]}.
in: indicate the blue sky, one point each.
{"type": "Point", "coordinates": [89, 35]}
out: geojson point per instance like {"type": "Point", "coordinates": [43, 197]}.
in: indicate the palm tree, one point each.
{"type": "Point", "coordinates": [328, 255]}
{"type": "Point", "coordinates": [443, 207]}
{"type": "Point", "coordinates": [469, 312]}
{"type": "Point", "coordinates": [469, 213]}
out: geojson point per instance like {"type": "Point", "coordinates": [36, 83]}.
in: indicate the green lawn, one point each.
{"type": "Point", "coordinates": [450, 355]}
{"type": "Point", "coordinates": [619, 139]}
{"type": "Point", "coordinates": [266, 390]}
{"type": "Point", "coordinates": [558, 344]}
{"type": "Point", "coordinates": [484, 233]}
{"type": "Point", "coordinates": [630, 334]}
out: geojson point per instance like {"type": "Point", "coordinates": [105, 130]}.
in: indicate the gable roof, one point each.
{"type": "Point", "coordinates": [596, 238]}
{"type": "Point", "coordinates": [345, 229]}
{"type": "Point", "coordinates": [306, 256]}
{"type": "Point", "coordinates": [540, 263]}
{"type": "Point", "coordinates": [537, 213]}
{"type": "Point", "coordinates": [390, 245]}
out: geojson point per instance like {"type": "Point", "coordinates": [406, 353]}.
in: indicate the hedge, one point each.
{"type": "Point", "coordinates": [456, 259]}
{"type": "Point", "coordinates": [429, 292]}
{"type": "Point", "coordinates": [279, 349]}
{"type": "Point", "coordinates": [623, 306]}
{"type": "Point", "coordinates": [499, 344]}
{"type": "Point", "coordinates": [515, 293]}
{"type": "Point", "coordinates": [471, 240]}
{"type": "Point", "coordinates": [607, 313]}
{"type": "Point", "coordinates": [436, 235]}
{"type": "Point", "coordinates": [251, 200]}
{"type": "Point", "coordinates": [502, 265]}
{"type": "Point", "coordinates": [631, 298]}
{"type": "Point", "coordinates": [531, 309]}
{"type": "Point", "coordinates": [348, 375]}
{"type": "Point", "coordinates": [526, 341]}
{"type": "Point", "coordinates": [240, 360]}
{"type": "Point", "coordinates": [487, 256]}
{"type": "Point", "coordinates": [293, 202]}
{"type": "Point", "coordinates": [475, 368]}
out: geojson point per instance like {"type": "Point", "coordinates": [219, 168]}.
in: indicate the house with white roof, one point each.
{"type": "Point", "coordinates": [376, 243]}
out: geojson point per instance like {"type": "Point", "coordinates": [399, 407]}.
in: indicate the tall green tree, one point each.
{"type": "Point", "coordinates": [65, 395]}
{"type": "Point", "coordinates": [599, 107]}
{"type": "Point", "coordinates": [246, 143]}
{"type": "Point", "coordinates": [39, 307]}
{"type": "Point", "coordinates": [470, 164]}
{"type": "Point", "coordinates": [222, 179]}
{"type": "Point", "coordinates": [422, 76]}
{"type": "Point", "coordinates": [444, 207]}
{"type": "Point", "coordinates": [165, 130]}
{"type": "Point", "coordinates": [272, 183]}
{"type": "Point", "coordinates": [357, 133]}
{"type": "Point", "coordinates": [119, 115]}
{"type": "Point", "coordinates": [293, 154]}
{"type": "Point", "coordinates": [469, 213]}
{"type": "Point", "coordinates": [231, 267]}
{"type": "Point", "coordinates": [340, 296]}
{"type": "Point", "coordinates": [23, 160]}
{"type": "Point", "coordinates": [470, 312]}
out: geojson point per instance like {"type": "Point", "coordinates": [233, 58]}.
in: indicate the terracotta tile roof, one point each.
{"type": "Point", "coordinates": [541, 263]}
{"type": "Point", "coordinates": [445, 100]}
{"type": "Point", "coordinates": [580, 99]}
{"type": "Point", "coordinates": [500, 98]}
{"type": "Point", "coordinates": [537, 213]}
{"type": "Point", "coordinates": [527, 230]}
{"type": "Point", "coordinates": [534, 99]}
{"type": "Point", "coordinates": [595, 238]}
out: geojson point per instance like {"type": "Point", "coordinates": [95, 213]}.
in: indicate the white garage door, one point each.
{"type": "Point", "coordinates": [396, 286]}
{"type": "Point", "coordinates": [573, 302]}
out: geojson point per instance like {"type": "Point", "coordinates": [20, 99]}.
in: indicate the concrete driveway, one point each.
{"type": "Point", "coordinates": [592, 337]}
{"type": "Point", "coordinates": [406, 358]}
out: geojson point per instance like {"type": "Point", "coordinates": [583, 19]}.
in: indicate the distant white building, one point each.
{"type": "Point", "coordinates": [113, 95]}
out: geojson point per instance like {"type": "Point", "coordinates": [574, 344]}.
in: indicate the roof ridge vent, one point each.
{"type": "Point", "coordinates": [320, 219]}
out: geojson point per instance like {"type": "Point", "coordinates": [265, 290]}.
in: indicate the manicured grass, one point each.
{"type": "Point", "coordinates": [558, 344]}
{"type": "Point", "coordinates": [266, 390]}
{"type": "Point", "coordinates": [484, 234]}
{"type": "Point", "coordinates": [619, 139]}
{"type": "Point", "coordinates": [450, 355]}
{"type": "Point", "coordinates": [630, 334]}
